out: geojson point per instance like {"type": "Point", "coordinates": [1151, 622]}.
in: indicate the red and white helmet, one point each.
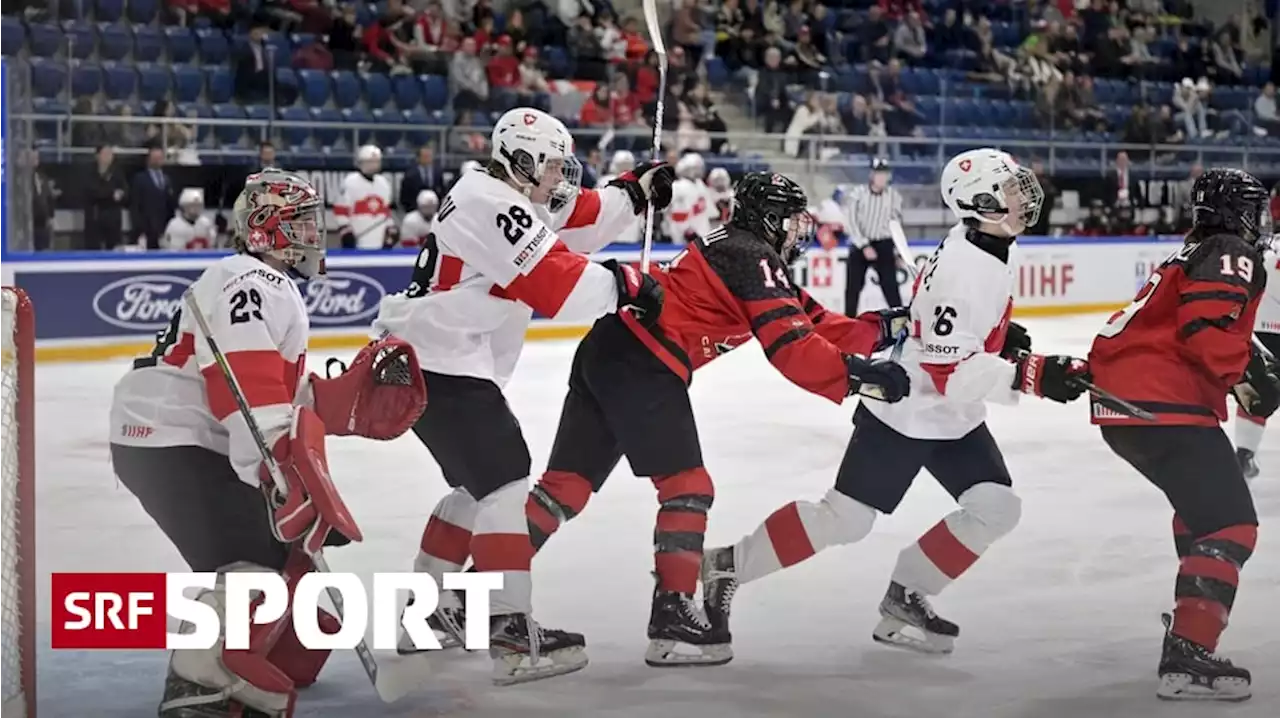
{"type": "Point", "coordinates": [536, 150]}
{"type": "Point", "coordinates": [278, 214]}
{"type": "Point", "coordinates": [988, 185]}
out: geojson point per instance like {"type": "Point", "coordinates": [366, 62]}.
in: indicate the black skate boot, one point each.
{"type": "Point", "coordinates": [719, 584]}
{"type": "Point", "coordinates": [187, 699]}
{"type": "Point", "coordinates": [903, 608]}
{"type": "Point", "coordinates": [1248, 463]}
{"type": "Point", "coordinates": [679, 635]}
{"type": "Point", "coordinates": [1191, 672]}
{"type": "Point", "coordinates": [523, 651]}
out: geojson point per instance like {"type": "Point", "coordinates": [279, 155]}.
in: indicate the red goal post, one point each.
{"type": "Point", "coordinates": [17, 618]}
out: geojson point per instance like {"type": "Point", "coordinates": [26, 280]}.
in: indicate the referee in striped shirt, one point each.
{"type": "Point", "coordinates": [871, 207]}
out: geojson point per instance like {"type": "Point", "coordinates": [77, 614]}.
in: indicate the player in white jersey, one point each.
{"type": "Point", "coordinates": [417, 224]}
{"type": "Point", "coordinates": [506, 244]}
{"type": "Point", "coordinates": [1249, 428]}
{"type": "Point", "coordinates": [690, 212]}
{"type": "Point", "coordinates": [364, 209]}
{"type": "Point", "coordinates": [720, 193]}
{"type": "Point", "coordinates": [180, 444]}
{"type": "Point", "coordinates": [961, 354]}
{"type": "Point", "coordinates": [621, 163]}
{"type": "Point", "coordinates": [189, 228]}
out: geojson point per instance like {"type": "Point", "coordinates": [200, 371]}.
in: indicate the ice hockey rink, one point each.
{"type": "Point", "coordinates": [1059, 620]}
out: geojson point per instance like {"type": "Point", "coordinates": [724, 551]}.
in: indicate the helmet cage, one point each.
{"type": "Point", "coordinates": [279, 214]}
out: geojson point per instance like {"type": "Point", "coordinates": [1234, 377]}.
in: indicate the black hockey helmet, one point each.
{"type": "Point", "coordinates": [775, 209]}
{"type": "Point", "coordinates": [1231, 201]}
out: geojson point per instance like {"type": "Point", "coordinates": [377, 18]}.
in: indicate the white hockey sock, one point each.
{"type": "Point", "coordinates": [799, 530]}
{"type": "Point", "coordinates": [1249, 431]}
{"type": "Point", "coordinates": [501, 543]}
{"type": "Point", "coordinates": [987, 512]}
{"type": "Point", "coordinates": [446, 541]}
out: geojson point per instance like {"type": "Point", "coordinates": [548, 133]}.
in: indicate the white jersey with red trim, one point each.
{"type": "Point", "coordinates": [176, 396]}
{"type": "Point", "coordinates": [494, 260]}
{"type": "Point", "coordinates": [182, 234]}
{"type": "Point", "coordinates": [414, 229]}
{"type": "Point", "coordinates": [721, 205]}
{"type": "Point", "coordinates": [960, 316]}
{"type": "Point", "coordinates": [365, 208]}
{"type": "Point", "coordinates": [690, 210]}
{"type": "Point", "coordinates": [1268, 321]}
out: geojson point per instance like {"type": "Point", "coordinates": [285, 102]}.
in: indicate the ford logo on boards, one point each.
{"type": "Point", "coordinates": [339, 297]}
{"type": "Point", "coordinates": [145, 303]}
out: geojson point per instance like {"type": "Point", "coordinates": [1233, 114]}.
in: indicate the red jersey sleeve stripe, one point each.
{"type": "Point", "coordinates": [450, 272]}
{"type": "Point", "coordinates": [551, 282]}
{"type": "Point", "coordinates": [263, 376]}
{"type": "Point", "coordinates": [586, 210]}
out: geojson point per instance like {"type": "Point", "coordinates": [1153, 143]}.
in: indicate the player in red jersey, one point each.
{"type": "Point", "coordinates": [1177, 350]}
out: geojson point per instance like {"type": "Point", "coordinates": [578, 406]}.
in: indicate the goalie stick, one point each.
{"type": "Point", "coordinates": [390, 687]}
{"type": "Point", "coordinates": [655, 36]}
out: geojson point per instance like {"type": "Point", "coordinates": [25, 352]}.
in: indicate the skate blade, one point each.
{"type": "Point", "coordinates": [669, 654]}
{"type": "Point", "coordinates": [1185, 687]}
{"type": "Point", "coordinates": [892, 632]}
{"type": "Point", "coordinates": [514, 668]}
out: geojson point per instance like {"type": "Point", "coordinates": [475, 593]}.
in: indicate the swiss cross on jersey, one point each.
{"type": "Point", "coordinates": [372, 205]}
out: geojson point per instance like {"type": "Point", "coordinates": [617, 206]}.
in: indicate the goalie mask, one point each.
{"type": "Point", "coordinates": [278, 214]}
{"type": "Point", "coordinates": [775, 209]}
{"type": "Point", "coordinates": [536, 151]}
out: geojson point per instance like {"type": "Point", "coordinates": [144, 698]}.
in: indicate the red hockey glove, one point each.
{"type": "Point", "coordinates": [379, 396]}
{"type": "Point", "coordinates": [637, 292]}
{"type": "Point", "coordinates": [1056, 377]}
{"type": "Point", "coordinates": [649, 183]}
{"type": "Point", "coordinates": [311, 507]}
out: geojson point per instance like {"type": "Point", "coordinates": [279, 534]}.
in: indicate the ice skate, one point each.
{"type": "Point", "coordinates": [188, 699]}
{"type": "Point", "coordinates": [1191, 672]}
{"type": "Point", "coordinates": [523, 651]}
{"type": "Point", "coordinates": [719, 584]}
{"type": "Point", "coordinates": [447, 623]}
{"type": "Point", "coordinates": [1248, 463]}
{"type": "Point", "coordinates": [679, 635]}
{"type": "Point", "coordinates": [905, 609]}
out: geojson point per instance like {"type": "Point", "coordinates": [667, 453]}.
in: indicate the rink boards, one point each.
{"type": "Point", "coordinates": [92, 306]}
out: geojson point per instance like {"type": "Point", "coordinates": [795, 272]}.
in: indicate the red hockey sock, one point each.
{"type": "Point", "coordinates": [788, 535]}
{"type": "Point", "coordinates": [558, 497]}
{"type": "Point", "coordinates": [1182, 537]}
{"type": "Point", "coordinates": [684, 498]}
{"type": "Point", "coordinates": [1207, 580]}
{"type": "Point", "coordinates": [446, 541]}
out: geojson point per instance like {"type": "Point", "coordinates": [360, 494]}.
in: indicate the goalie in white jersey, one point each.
{"type": "Point", "coordinates": [364, 208]}
{"type": "Point", "coordinates": [180, 444]}
{"type": "Point", "coordinates": [189, 228]}
{"type": "Point", "coordinates": [505, 244]}
{"type": "Point", "coordinates": [963, 351]}
{"type": "Point", "coordinates": [1266, 326]}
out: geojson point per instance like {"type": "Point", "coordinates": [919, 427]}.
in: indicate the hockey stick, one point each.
{"type": "Point", "coordinates": [655, 36]}
{"type": "Point", "coordinates": [388, 687]}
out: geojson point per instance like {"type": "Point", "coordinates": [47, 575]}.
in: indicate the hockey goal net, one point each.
{"type": "Point", "coordinates": [19, 507]}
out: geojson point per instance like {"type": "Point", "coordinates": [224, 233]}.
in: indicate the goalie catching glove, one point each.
{"type": "Point", "coordinates": [379, 396]}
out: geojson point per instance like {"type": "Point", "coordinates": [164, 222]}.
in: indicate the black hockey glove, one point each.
{"type": "Point", "coordinates": [1056, 376]}
{"type": "Point", "coordinates": [391, 237]}
{"type": "Point", "coordinates": [648, 183]}
{"type": "Point", "coordinates": [1259, 391]}
{"type": "Point", "coordinates": [637, 292]}
{"type": "Point", "coordinates": [1016, 341]}
{"type": "Point", "coordinates": [893, 325]}
{"type": "Point", "coordinates": [348, 239]}
{"type": "Point", "coordinates": [877, 378]}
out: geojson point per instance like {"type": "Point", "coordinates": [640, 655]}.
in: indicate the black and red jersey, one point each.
{"type": "Point", "coordinates": [728, 287]}
{"type": "Point", "coordinates": [1184, 341]}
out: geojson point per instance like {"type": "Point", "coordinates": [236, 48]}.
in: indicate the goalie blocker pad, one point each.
{"type": "Point", "coordinates": [312, 507]}
{"type": "Point", "coordinates": [379, 396]}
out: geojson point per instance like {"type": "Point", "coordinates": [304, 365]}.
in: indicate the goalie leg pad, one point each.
{"type": "Point", "coordinates": [379, 396]}
{"type": "Point", "coordinates": [313, 506]}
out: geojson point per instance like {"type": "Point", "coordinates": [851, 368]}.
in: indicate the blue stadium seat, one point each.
{"type": "Point", "coordinates": [182, 43]}
{"type": "Point", "coordinates": [407, 91]}
{"type": "Point", "coordinates": [326, 136]}
{"type": "Point", "coordinates": [558, 62]}
{"type": "Point", "coordinates": [118, 81]}
{"type": "Point", "coordinates": [188, 83]}
{"type": "Point", "coordinates": [115, 41]}
{"type": "Point", "coordinates": [219, 84]}
{"type": "Point", "coordinates": [213, 46]}
{"type": "Point", "coordinates": [435, 92]}
{"type": "Point", "coordinates": [154, 82]}
{"type": "Point", "coordinates": [143, 11]}
{"type": "Point", "coordinates": [47, 130]}
{"type": "Point", "coordinates": [389, 137]}
{"type": "Point", "coordinates": [148, 44]}
{"type": "Point", "coordinates": [416, 117]}
{"type": "Point", "coordinates": [302, 39]}
{"type": "Point", "coordinates": [13, 35]}
{"type": "Point", "coordinates": [283, 50]}
{"type": "Point", "coordinates": [366, 13]}
{"type": "Point", "coordinates": [86, 80]}
{"type": "Point", "coordinates": [314, 87]}
{"type": "Point", "coordinates": [358, 116]}
{"type": "Point", "coordinates": [80, 39]}
{"type": "Point", "coordinates": [346, 88]}
{"type": "Point", "coordinates": [48, 78]}
{"type": "Point", "coordinates": [228, 134]}
{"type": "Point", "coordinates": [377, 90]}
{"type": "Point", "coordinates": [108, 10]}
{"type": "Point", "coordinates": [286, 83]}
{"type": "Point", "coordinates": [717, 72]}
{"type": "Point", "coordinates": [295, 136]}
{"type": "Point", "coordinates": [44, 40]}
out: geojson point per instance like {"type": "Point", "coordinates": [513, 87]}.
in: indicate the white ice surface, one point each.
{"type": "Point", "coordinates": [1060, 619]}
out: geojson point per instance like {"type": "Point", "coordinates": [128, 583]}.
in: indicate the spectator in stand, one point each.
{"type": "Point", "coordinates": [909, 41]}
{"type": "Point", "coordinates": [730, 22]}
{"type": "Point", "coordinates": [467, 78]}
{"type": "Point", "coordinates": [1097, 223]}
{"type": "Point", "coordinates": [808, 116]}
{"type": "Point", "coordinates": [532, 79]}
{"type": "Point", "coordinates": [468, 138]}
{"type": "Point", "coordinates": [266, 158]}
{"type": "Point", "coordinates": [253, 68]}
{"type": "Point", "coordinates": [772, 19]}
{"type": "Point", "coordinates": [992, 66]}
{"type": "Point", "coordinates": [805, 62]}
{"type": "Point", "coordinates": [1191, 111]}
{"type": "Point", "coordinates": [128, 134]}
{"type": "Point", "coordinates": [425, 174]}
{"type": "Point", "coordinates": [1042, 226]}
{"type": "Point", "coordinates": [624, 104]}
{"type": "Point", "coordinates": [1120, 184]}
{"type": "Point", "coordinates": [772, 102]}
{"type": "Point", "coordinates": [686, 30]}
{"type": "Point", "coordinates": [104, 195]}
{"type": "Point", "coordinates": [1164, 129]}
{"type": "Point", "coordinates": [647, 80]}
{"type": "Point", "coordinates": [1188, 60]}
{"type": "Point", "coordinates": [430, 28]}
{"type": "Point", "coordinates": [706, 118]}
{"type": "Point", "coordinates": [753, 16]}
{"type": "Point", "coordinates": [152, 200]}
{"type": "Point", "coordinates": [1084, 103]}
{"type": "Point", "coordinates": [1141, 63]}
{"type": "Point", "coordinates": [818, 26]}
{"type": "Point", "coordinates": [741, 55]}
{"type": "Point", "coordinates": [1111, 52]}
{"type": "Point", "coordinates": [1264, 110]}
{"type": "Point", "coordinates": [637, 41]}
{"type": "Point", "coordinates": [898, 9]}
{"type": "Point", "coordinates": [949, 36]}
{"type": "Point", "coordinates": [1095, 24]}
{"type": "Point", "coordinates": [596, 112]}
{"type": "Point", "coordinates": [1052, 106]}
{"type": "Point", "coordinates": [515, 30]}
{"type": "Point", "coordinates": [874, 36]}
{"type": "Point", "coordinates": [681, 75]}
{"type": "Point", "coordinates": [1226, 66]}
{"type": "Point", "coordinates": [901, 118]}
{"type": "Point", "coordinates": [585, 45]}
{"type": "Point", "coordinates": [380, 48]}
{"type": "Point", "coordinates": [611, 39]}
{"type": "Point", "coordinates": [503, 68]}
{"type": "Point", "coordinates": [342, 39]}
{"type": "Point", "coordinates": [485, 34]}
{"type": "Point", "coordinates": [177, 139]}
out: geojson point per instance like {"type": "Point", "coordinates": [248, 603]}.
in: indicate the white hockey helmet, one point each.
{"type": "Point", "coordinates": [623, 161]}
{"type": "Point", "coordinates": [470, 165]}
{"type": "Point", "coordinates": [536, 151]}
{"type": "Point", "coordinates": [369, 159]}
{"type": "Point", "coordinates": [988, 185]}
{"type": "Point", "coordinates": [691, 166]}
{"type": "Point", "coordinates": [719, 179]}
{"type": "Point", "coordinates": [280, 214]}
{"type": "Point", "coordinates": [191, 202]}
{"type": "Point", "coordinates": [428, 202]}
